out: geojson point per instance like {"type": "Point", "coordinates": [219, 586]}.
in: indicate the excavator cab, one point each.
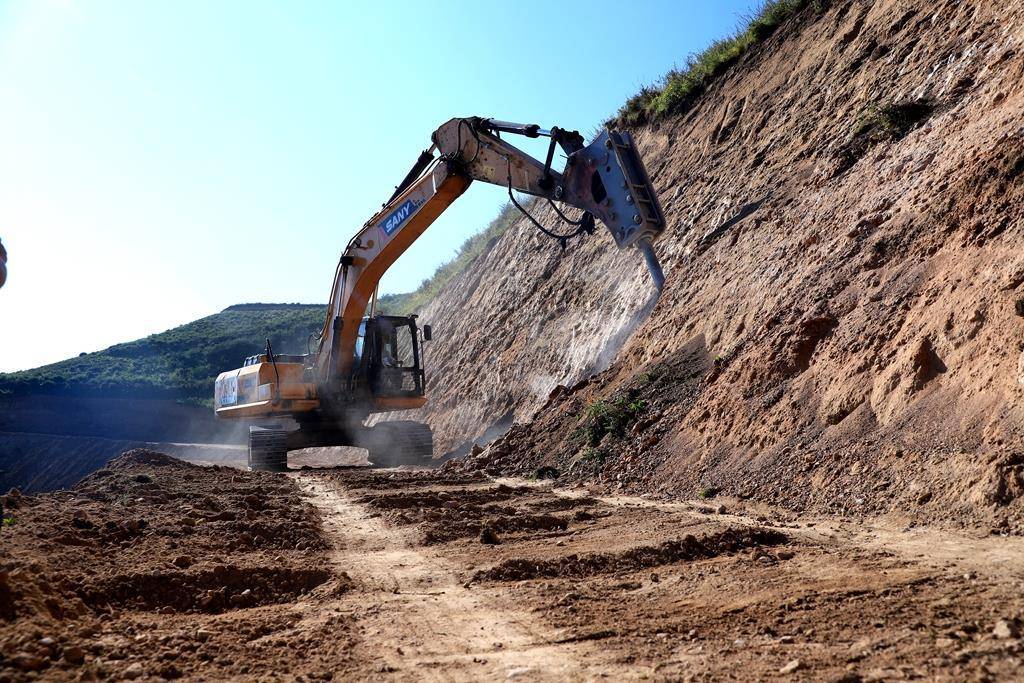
{"type": "Point", "coordinates": [389, 362]}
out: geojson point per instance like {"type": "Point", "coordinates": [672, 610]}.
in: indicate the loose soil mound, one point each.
{"type": "Point", "coordinates": [144, 544]}
{"type": "Point", "coordinates": [663, 590]}
{"type": "Point", "coordinates": [670, 552]}
{"type": "Point", "coordinates": [466, 512]}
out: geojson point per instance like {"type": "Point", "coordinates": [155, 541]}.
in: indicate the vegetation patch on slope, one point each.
{"type": "Point", "coordinates": [680, 87]}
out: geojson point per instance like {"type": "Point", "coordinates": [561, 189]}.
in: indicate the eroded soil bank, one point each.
{"type": "Point", "coordinates": [841, 327]}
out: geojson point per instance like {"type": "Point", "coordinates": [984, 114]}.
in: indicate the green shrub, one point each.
{"type": "Point", "coordinates": [614, 416]}
{"type": "Point", "coordinates": [594, 457]}
{"type": "Point", "coordinates": [880, 123]}
{"type": "Point", "coordinates": [707, 492]}
{"type": "Point", "coordinates": [891, 121]}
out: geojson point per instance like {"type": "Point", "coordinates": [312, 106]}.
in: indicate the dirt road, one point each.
{"type": "Point", "coordinates": [157, 569]}
{"type": "Point", "coordinates": [582, 587]}
{"type": "Point", "coordinates": [417, 617]}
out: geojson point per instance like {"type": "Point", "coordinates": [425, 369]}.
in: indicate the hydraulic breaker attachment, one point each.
{"type": "Point", "coordinates": [653, 265]}
{"type": "Point", "coordinates": [624, 197]}
{"type": "Point", "coordinates": [619, 187]}
{"type": "Point", "coordinates": [606, 179]}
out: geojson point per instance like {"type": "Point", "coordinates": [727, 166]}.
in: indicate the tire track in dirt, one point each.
{"type": "Point", "coordinates": [417, 618]}
{"type": "Point", "coordinates": [995, 555]}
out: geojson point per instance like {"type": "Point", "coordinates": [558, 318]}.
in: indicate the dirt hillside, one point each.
{"type": "Point", "coordinates": [755, 477]}
{"type": "Point", "coordinates": [842, 322]}
{"type": "Point", "coordinates": [524, 318]}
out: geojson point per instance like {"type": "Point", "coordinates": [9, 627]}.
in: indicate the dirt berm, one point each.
{"type": "Point", "coordinates": [841, 327]}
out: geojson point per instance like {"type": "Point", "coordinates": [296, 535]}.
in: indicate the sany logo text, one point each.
{"type": "Point", "coordinates": [397, 217]}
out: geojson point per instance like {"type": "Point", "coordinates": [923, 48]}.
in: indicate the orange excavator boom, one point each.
{"type": "Point", "coordinates": [369, 364]}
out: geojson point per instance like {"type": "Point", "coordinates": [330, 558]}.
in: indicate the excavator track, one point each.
{"type": "Point", "coordinates": [268, 449]}
{"type": "Point", "coordinates": [400, 442]}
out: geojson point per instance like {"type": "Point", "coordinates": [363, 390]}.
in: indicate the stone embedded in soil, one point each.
{"type": "Point", "coordinates": [792, 667]}
{"type": "Point", "coordinates": [27, 662]}
{"type": "Point", "coordinates": [1006, 628]}
{"type": "Point", "coordinates": [184, 561]}
{"type": "Point", "coordinates": [849, 677]}
{"type": "Point", "coordinates": [74, 654]}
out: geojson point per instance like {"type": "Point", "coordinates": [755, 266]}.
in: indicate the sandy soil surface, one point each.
{"type": "Point", "coordinates": [157, 569]}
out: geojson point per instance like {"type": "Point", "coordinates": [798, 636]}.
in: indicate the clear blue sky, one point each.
{"type": "Point", "coordinates": [160, 161]}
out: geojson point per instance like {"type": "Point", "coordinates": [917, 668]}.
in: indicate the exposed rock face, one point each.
{"type": "Point", "coordinates": [524, 319]}
{"type": "Point", "coordinates": [844, 263]}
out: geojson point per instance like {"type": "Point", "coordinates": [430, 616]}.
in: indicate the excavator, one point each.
{"type": "Point", "coordinates": [366, 363]}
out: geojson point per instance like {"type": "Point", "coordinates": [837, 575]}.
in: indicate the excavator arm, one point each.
{"type": "Point", "coordinates": [605, 179]}
{"type": "Point", "coordinates": [354, 371]}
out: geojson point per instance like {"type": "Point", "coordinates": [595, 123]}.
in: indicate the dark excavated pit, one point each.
{"type": "Point", "coordinates": [455, 525]}
{"type": "Point", "coordinates": [437, 499]}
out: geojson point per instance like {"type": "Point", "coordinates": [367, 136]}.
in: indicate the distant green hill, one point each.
{"type": "Point", "coordinates": [180, 363]}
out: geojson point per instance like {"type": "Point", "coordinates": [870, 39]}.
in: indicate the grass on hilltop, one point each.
{"type": "Point", "coordinates": [680, 87]}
